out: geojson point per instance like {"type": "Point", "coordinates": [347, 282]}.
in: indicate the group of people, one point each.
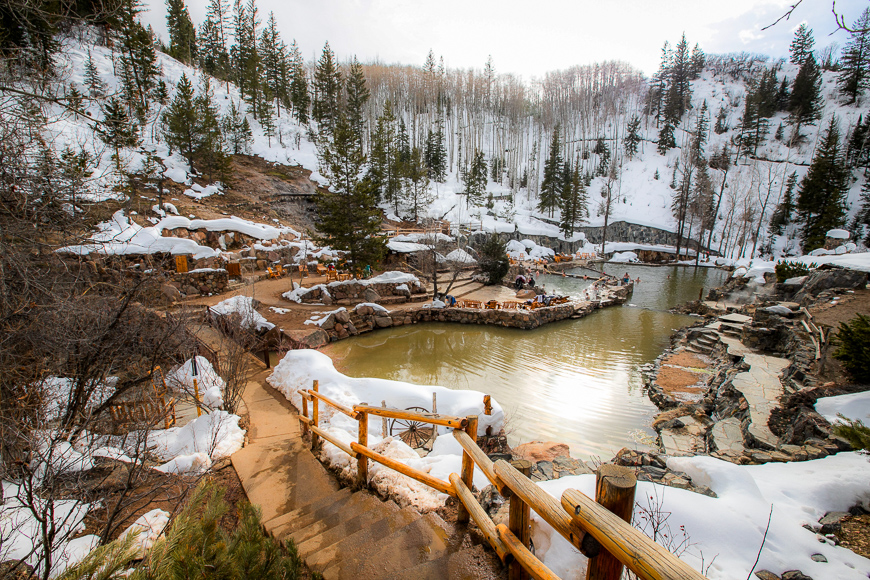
{"type": "Point", "coordinates": [521, 281]}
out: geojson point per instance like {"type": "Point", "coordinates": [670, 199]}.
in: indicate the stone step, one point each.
{"type": "Point", "coordinates": [698, 349]}
{"type": "Point", "coordinates": [368, 511]}
{"type": "Point", "coordinates": [705, 340]}
{"type": "Point", "coordinates": [329, 516]}
{"type": "Point", "coordinates": [359, 542]}
{"type": "Point", "coordinates": [473, 563]}
{"type": "Point", "coordinates": [297, 519]}
{"type": "Point", "coordinates": [419, 542]}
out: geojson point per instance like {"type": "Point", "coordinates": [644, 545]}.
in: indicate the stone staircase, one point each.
{"type": "Point", "coordinates": [703, 342]}
{"type": "Point", "coordinates": [340, 533]}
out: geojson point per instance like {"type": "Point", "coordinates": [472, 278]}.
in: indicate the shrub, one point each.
{"type": "Point", "coordinates": [494, 261]}
{"type": "Point", "coordinates": [853, 347]}
{"type": "Point", "coordinates": [786, 270]}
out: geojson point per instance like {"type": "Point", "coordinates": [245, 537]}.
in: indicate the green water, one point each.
{"type": "Point", "coordinates": [575, 381]}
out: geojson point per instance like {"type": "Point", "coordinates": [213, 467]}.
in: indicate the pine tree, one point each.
{"type": "Point", "coordinates": [821, 197]}
{"type": "Point", "coordinates": [138, 57]}
{"type": "Point", "coordinates": [245, 55]}
{"type": "Point", "coordinates": [212, 41]}
{"type": "Point", "coordinates": [855, 64]}
{"type": "Point", "coordinates": [117, 129]}
{"type": "Point", "coordinates": [666, 138]}
{"type": "Point", "coordinates": [181, 125]}
{"type": "Point", "coordinates": [237, 130]}
{"type": "Point", "coordinates": [698, 60]}
{"type": "Point", "coordinates": [575, 200]}
{"type": "Point", "coordinates": [699, 137]}
{"type": "Point", "coordinates": [348, 216]}
{"type": "Point", "coordinates": [858, 149]}
{"type": "Point", "coordinates": [603, 153]}
{"type": "Point", "coordinates": [210, 152]}
{"type": "Point", "coordinates": [384, 171]}
{"type": "Point", "coordinates": [782, 215]}
{"type": "Point", "coordinates": [551, 185]}
{"type": "Point", "coordinates": [298, 85]}
{"type": "Point", "coordinates": [802, 46]}
{"type": "Point", "coordinates": [805, 100]}
{"type": "Point", "coordinates": [182, 34]}
{"type": "Point", "coordinates": [274, 63]}
{"type": "Point", "coordinates": [327, 90]}
{"type": "Point", "coordinates": [679, 93]}
{"type": "Point", "coordinates": [436, 153]}
{"type": "Point", "coordinates": [632, 137]}
{"type": "Point", "coordinates": [357, 97]}
{"type": "Point", "coordinates": [474, 179]}
{"type": "Point", "coordinates": [861, 223]}
{"type": "Point", "coordinates": [416, 184]}
{"type": "Point", "coordinates": [658, 84]}
{"type": "Point", "coordinates": [267, 119]}
{"type": "Point", "coordinates": [753, 126]}
{"type": "Point", "coordinates": [721, 125]}
{"type": "Point", "coordinates": [93, 81]}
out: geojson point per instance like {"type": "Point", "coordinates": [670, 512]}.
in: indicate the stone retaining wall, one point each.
{"type": "Point", "coordinates": [205, 282]}
{"type": "Point", "coordinates": [359, 291]}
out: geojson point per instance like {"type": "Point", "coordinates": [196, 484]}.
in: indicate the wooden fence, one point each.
{"type": "Point", "coordinates": [599, 528]}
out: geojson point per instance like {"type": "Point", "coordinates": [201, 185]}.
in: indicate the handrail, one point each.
{"type": "Point", "coordinates": [433, 418]}
{"type": "Point", "coordinates": [420, 476]}
{"type": "Point", "coordinates": [480, 517]}
{"type": "Point", "coordinates": [548, 508]}
{"type": "Point", "coordinates": [346, 410]}
{"type": "Point", "coordinates": [343, 446]}
{"type": "Point", "coordinates": [633, 548]}
{"type": "Point", "coordinates": [524, 556]}
{"type": "Point", "coordinates": [482, 461]}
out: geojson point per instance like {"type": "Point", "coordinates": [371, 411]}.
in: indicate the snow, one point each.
{"type": "Point", "coordinates": [838, 234]}
{"type": "Point", "coordinates": [461, 256]}
{"type": "Point", "coordinates": [389, 278]}
{"type": "Point", "coordinates": [406, 247]}
{"type": "Point", "coordinates": [624, 257]}
{"type": "Point", "coordinates": [216, 434]}
{"type": "Point", "coordinates": [244, 306]}
{"type": "Point", "coordinates": [149, 527]}
{"type": "Point", "coordinates": [727, 531]}
{"type": "Point", "coordinates": [855, 406]}
{"type": "Point", "coordinates": [299, 368]}
{"type": "Point", "coordinates": [208, 381]}
{"type": "Point", "coordinates": [198, 192]}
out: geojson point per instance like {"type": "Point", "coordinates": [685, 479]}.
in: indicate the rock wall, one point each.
{"type": "Point", "coordinates": [352, 291]}
{"type": "Point", "coordinates": [205, 282]}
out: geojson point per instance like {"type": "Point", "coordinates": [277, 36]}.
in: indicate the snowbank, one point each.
{"type": "Point", "coordinates": [624, 257]}
{"type": "Point", "coordinates": [244, 306]}
{"type": "Point", "coordinates": [216, 434]}
{"type": "Point", "coordinates": [149, 526]}
{"type": "Point", "coordinates": [727, 531]}
{"type": "Point", "coordinates": [299, 368]}
{"type": "Point", "coordinates": [209, 383]}
{"type": "Point", "coordinates": [855, 406]}
{"type": "Point", "coordinates": [461, 256]}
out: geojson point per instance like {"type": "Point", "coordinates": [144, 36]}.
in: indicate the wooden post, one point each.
{"type": "Point", "coordinates": [487, 405]}
{"type": "Point", "coordinates": [196, 398]}
{"type": "Point", "coordinates": [434, 427]}
{"type": "Point", "coordinates": [315, 415]}
{"type": "Point", "coordinates": [518, 521]}
{"type": "Point", "coordinates": [384, 426]}
{"type": "Point", "coordinates": [614, 489]}
{"type": "Point", "coordinates": [467, 464]}
{"type": "Point", "coordinates": [304, 414]}
{"type": "Point", "coordinates": [362, 462]}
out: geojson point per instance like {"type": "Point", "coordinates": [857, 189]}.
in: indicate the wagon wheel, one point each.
{"type": "Point", "coordinates": [414, 433]}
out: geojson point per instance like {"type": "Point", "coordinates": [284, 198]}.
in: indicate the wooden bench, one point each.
{"type": "Point", "coordinates": [493, 305]}
{"type": "Point", "coordinates": [470, 304]}
{"type": "Point", "coordinates": [511, 305]}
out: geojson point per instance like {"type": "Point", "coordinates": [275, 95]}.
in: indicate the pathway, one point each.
{"type": "Point", "coordinates": [343, 534]}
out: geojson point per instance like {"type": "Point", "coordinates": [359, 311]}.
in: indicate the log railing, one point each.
{"type": "Point", "coordinates": [599, 528]}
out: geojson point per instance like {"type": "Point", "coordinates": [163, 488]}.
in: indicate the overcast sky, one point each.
{"type": "Point", "coordinates": [528, 37]}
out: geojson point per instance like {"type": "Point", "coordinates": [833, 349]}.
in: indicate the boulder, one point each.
{"type": "Point", "coordinates": [826, 279]}
{"type": "Point", "coordinates": [171, 293]}
{"type": "Point", "coordinates": [308, 337]}
{"type": "Point", "coordinates": [541, 451]}
{"type": "Point", "coordinates": [370, 295]}
{"type": "Point", "coordinates": [342, 316]}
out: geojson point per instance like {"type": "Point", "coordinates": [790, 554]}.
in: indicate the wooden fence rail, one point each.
{"type": "Point", "coordinates": [602, 531]}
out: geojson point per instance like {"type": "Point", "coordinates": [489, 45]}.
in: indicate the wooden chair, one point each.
{"type": "Point", "coordinates": [511, 305]}
{"type": "Point", "coordinates": [272, 273]}
{"type": "Point", "coordinates": [331, 275]}
{"type": "Point", "coordinates": [321, 269]}
{"type": "Point", "coordinates": [473, 304]}
{"type": "Point", "coordinates": [303, 271]}
{"type": "Point", "coordinates": [492, 305]}
{"type": "Point", "coordinates": [279, 269]}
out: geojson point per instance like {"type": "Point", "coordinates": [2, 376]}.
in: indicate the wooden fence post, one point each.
{"type": "Point", "coordinates": [196, 398]}
{"type": "Point", "coordinates": [315, 415]}
{"type": "Point", "coordinates": [384, 426]}
{"type": "Point", "coordinates": [362, 462]}
{"type": "Point", "coordinates": [614, 489]}
{"type": "Point", "coordinates": [467, 464]}
{"type": "Point", "coordinates": [304, 413]}
{"type": "Point", "coordinates": [518, 521]}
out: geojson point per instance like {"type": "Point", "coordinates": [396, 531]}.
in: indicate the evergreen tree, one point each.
{"type": "Point", "coordinates": [245, 56]}
{"type": "Point", "coordinates": [783, 96]}
{"type": "Point", "coordinates": [551, 185]}
{"type": "Point", "coordinates": [821, 197]}
{"type": "Point", "coordinates": [436, 153]}
{"type": "Point", "coordinates": [855, 65]}
{"type": "Point", "coordinates": [384, 171]}
{"type": "Point", "coordinates": [632, 138]}
{"type": "Point", "coordinates": [753, 126]}
{"type": "Point", "coordinates": [210, 152]}
{"type": "Point", "coordinates": [699, 137]}
{"type": "Point", "coordinates": [782, 215]}
{"type": "Point", "coordinates": [357, 96]}
{"type": "Point", "coordinates": [93, 81]}
{"type": "Point", "coordinates": [298, 85]}
{"type": "Point", "coordinates": [805, 101]}
{"type": "Point", "coordinates": [212, 41]}
{"type": "Point", "coordinates": [181, 125]}
{"type": "Point", "coordinates": [182, 34]}
{"type": "Point", "coordinates": [575, 200]}
{"type": "Point", "coordinates": [327, 90]}
{"type": "Point", "coordinates": [474, 179]}
{"type": "Point", "coordinates": [858, 149]}
{"type": "Point", "coordinates": [861, 223]}
{"type": "Point", "coordinates": [138, 57]}
{"type": "Point", "coordinates": [679, 93]}
{"type": "Point", "coordinates": [117, 129]}
{"type": "Point", "coordinates": [721, 125]}
{"type": "Point", "coordinates": [802, 45]}
{"type": "Point", "coordinates": [603, 153]}
{"type": "Point", "coordinates": [666, 138]}
{"type": "Point", "coordinates": [658, 84]}
{"type": "Point", "coordinates": [237, 130]}
{"type": "Point", "coordinates": [416, 184]}
{"type": "Point", "coordinates": [698, 62]}
{"type": "Point", "coordinates": [274, 63]}
{"type": "Point", "coordinates": [348, 217]}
